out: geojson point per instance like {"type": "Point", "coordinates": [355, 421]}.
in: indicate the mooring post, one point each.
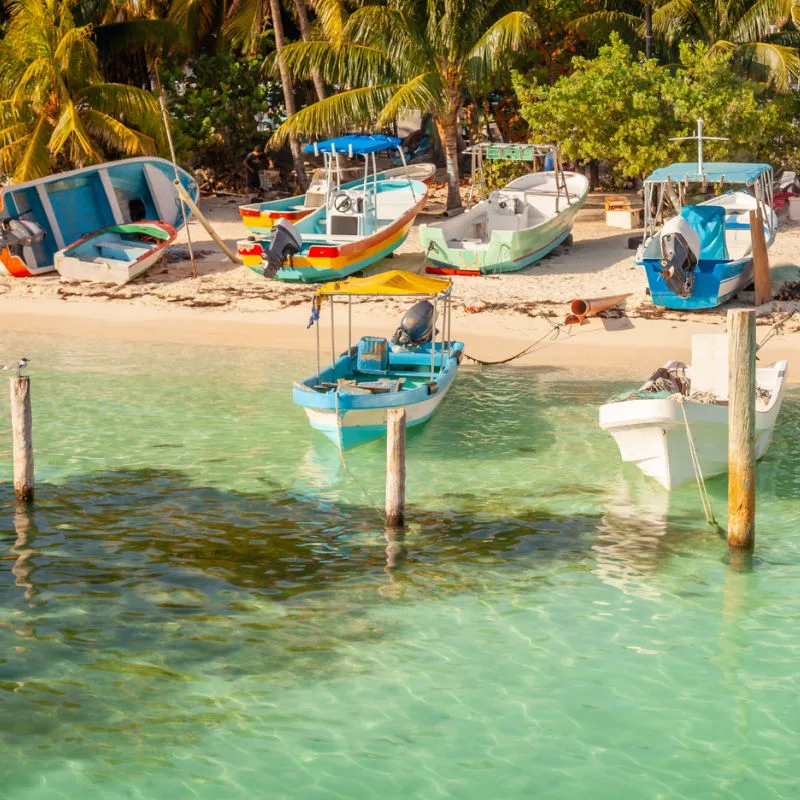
{"type": "Point", "coordinates": [395, 467]}
{"type": "Point", "coordinates": [763, 284]}
{"type": "Point", "coordinates": [22, 436]}
{"type": "Point", "coordinates": [741, 428]}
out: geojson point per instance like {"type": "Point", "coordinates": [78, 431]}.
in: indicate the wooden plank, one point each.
{"type": "Point", "coordinates": [741, 428]}
{"type": "Point", "coordinates": [763, 284]}
{"type": "Point", "coordinates": [44, 199]}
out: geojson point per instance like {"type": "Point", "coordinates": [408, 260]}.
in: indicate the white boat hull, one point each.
{"type": "Point", "coordinates": [652, 434]}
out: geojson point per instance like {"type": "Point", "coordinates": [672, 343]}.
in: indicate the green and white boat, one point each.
{"type": "Point", "coordinates": [515, 226]}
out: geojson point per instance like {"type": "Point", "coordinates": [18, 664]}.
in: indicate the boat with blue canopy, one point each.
{"type": "Point", "coordinates": [703, 255]}
{"type": "Point", "coordinates": [358, 224]}
{"type": "Point", "coordinates": [348, 399]}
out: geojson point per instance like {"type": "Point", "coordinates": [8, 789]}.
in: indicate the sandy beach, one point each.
{"type": "Point", "coordinates": [496, 316]}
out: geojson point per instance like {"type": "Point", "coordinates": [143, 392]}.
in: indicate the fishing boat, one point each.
{"type": "Point", "coordinates": [703, 255]}
{"type": "Point", "coordinates": [511, 228]}
{"type": "Point", "coordinates": [355, 227]}
{"type": "Point", "coordinates": [348, 399]}
{"type": "Point", "coordinates": [259, 218]}
{"type": "Point", "coordinates": [46, 215]}
{"type": "Point", "coordinates": [682, 405]}
{"type": "Point", "coordinates": [116, 254]}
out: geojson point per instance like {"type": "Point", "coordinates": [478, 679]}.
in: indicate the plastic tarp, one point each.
{"type": "Point", "coordinates": [356, 145]}
{"type": "Point", "coordinates": [395, 282]}
{"type": "Point", "coordinates": [709, 222]}
{"type": "Point", "coordinates": [713, 172]}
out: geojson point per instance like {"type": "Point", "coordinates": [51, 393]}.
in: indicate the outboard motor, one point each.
{"type": "Point", "coordinates": [416, 327]}
{"type": "Point", "coordinates": [17, 233]}
{"type": "Point", "coordinates": [680, 249]}
{"type": "Point", "coordinates": [286, 242]}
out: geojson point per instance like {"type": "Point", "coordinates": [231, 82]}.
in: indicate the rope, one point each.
{"type": "Point", "coordinates": [552, 335]}
{"type": "Point", "coordinates": [698, 472]}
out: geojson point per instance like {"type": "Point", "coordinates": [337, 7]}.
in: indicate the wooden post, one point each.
{"type": "Point", "coordinates": [395, 467]}
{"type": "Point", "coordinates": [21, 436]}
{"type": "Point", "coordinates": [741, 428]}
{"type": "Point", "coordinates": [763, 284]}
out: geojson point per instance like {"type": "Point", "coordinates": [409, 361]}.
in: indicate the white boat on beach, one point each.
{"type": "Point", "coordinates": [650, 425]}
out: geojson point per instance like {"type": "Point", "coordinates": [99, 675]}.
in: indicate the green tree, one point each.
{"type": "Point", "coordinates": [56, 109]}
{"type": "Point", "coordinates": [425, 55]}
{"type": "Point", "coordinates": [623, 110]}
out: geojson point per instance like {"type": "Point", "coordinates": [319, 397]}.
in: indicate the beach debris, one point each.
{"type": "Point", "coordinates": [178, 252]}
{"type": "Point", "coordinates": [473, 309]}
{"type": "Point", "coordinates": [581, 309]}
{"type": "Point", "coordinates": [788, 291]}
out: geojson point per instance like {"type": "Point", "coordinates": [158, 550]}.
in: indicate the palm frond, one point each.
{"type": "Point", "coordinates": [598, 24]}
{"type": "Point", "coordinates": [69, 129]}
{"type": "Point", "coordinates": [335, 114]}
{"type": "Point", "coordinates": [194, 18]}
{"type": "Point", "coordinates": [422, 93]}
{"type": "Point", "coordinates": [510, 33]}
{"type": "Point", "coordinates": [118, 38]}
{"type": "Point", "coordinates": [34, 161]}
{"type": "Point", "coordinates": [36, 83]}
{"type": "Point", "coordinates": [332, 16]}
{"type": "Point", "coordinates": [351, 64]}
{"type": "Point", "coordinates": [671, 17]}
{"type": "Point", "coordinates": [245, 22]}
{"type": "Point", "coordinates": [118, 136]}
{"type": "Point", "coordinates": [781, 63]}
{"type": "Point", "coordinates": [759, 19]}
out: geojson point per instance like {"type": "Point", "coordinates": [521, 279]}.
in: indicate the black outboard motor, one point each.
{"type": "Point", "coordinates": [680, 248]}
{"type": "Point", "coordinates": [416, 327]}
{"type": "Point", "coordinates": [17, 233]}
{"type": "Point", "coordinates": [286, 241]}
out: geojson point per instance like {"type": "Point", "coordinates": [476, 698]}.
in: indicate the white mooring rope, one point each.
{"type": "Point", "coordinates": [698, 472]}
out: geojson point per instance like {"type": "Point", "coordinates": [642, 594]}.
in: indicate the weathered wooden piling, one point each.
{"type": "Point", "coordinates": [22, 436]}
{"type": "Point", "coordinates": [395, 467]}
{"type": "Point", "coordinates": [741, 428]}
{"type": "Point", "coordinates": [761, 278]}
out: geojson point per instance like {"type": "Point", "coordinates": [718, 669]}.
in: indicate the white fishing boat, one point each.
{"type": "Point", "coordinates": [515, 226]}
{"type": "Point", "coordinates": [682, 403]}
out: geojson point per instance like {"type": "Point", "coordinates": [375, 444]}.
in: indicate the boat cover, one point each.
{"type": "Point", "coordinates": [713, 171]}
{"type": "Point", "coordinates": [394, 282]}
{"type": "Point", "coordinates": [354, 145]}
{"type": "Point", "coordinates": [709, 223]}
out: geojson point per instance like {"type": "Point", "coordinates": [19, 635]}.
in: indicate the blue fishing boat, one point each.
{"type": "Point", "coordinates": [704, 255]}
{"type": "Point", "coordinates": [46, 215]}
{"type": "Point", "coordinates": [356, 226]}
{"type": "Point", "coordinates": [348, 399]}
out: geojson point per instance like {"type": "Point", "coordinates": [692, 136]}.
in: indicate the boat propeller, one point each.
{"type": "Point", "coordinates": [286, 242]}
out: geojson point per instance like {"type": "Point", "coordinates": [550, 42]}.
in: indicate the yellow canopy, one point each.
{"type": "Point", "coordinates": [394, 282]}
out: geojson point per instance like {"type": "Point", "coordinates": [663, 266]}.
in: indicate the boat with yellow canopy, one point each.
{"type": "Point", "coordinates": [348, 399]}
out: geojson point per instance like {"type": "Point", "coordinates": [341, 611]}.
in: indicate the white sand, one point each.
{"type": "Point", "coordinates": [231, 305]}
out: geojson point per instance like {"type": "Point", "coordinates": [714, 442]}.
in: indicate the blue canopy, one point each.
{"type": "Point", "coordinates": [713, 172]}
{"type": "Point", "coordinates": [354, 145]}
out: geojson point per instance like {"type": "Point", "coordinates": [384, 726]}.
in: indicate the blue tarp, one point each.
{"type": "Point", "coordinates": [709, 223]}
{"type": "Point", "coordinates": [355, 145]}
{"type": "Point", "coordinates": [713, 172]}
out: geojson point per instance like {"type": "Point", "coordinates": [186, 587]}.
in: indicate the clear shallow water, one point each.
{"type": "Point", "coordinates": [204, 603]}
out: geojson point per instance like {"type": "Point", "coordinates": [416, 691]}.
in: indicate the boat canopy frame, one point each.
{"type": "Point", "coordinates": [435, 289]}
{"type": "Point", "coordinates": [511, 151]}
{"type": "Point", "coordinates": [673, 183]}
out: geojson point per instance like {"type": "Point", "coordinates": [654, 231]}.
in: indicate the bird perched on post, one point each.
{"type": "Point", "coordinates": [16, 365]}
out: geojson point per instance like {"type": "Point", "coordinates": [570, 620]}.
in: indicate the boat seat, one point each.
{"type": "Point", "coordinates": [372, 357]}
{"type": "Point", "coordinates": [118, 252]}
{"type": "Point", "coordinates": [709, 224]}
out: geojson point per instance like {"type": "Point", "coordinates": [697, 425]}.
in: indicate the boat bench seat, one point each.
{"type": "Point", "coordinates": [119, 252]}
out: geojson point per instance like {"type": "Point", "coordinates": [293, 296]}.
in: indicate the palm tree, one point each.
{"type": "Point", "coordinates": [747, 28]}
{"type": "Point", "coordinates": [56, 110]}
{"type": "Point", "coordinates": [425, 55]}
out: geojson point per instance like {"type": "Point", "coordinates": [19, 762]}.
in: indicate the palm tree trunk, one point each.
{"type": "Point", "coordinates": [305, 32]}
{"type": "Point", "coordinates": [648, 30]}
{"type": "Point", "coordinates": [288, 91]}
{"type": "Point", "coordinates": [448, 133]}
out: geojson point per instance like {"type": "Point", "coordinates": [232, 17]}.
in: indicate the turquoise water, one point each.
{"type": "Point", "coordinates": [204, 603]}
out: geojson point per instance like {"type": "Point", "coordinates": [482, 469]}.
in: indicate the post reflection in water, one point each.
{"type": "Point", "coordinates": [396, 552]}
{"type": "Point", "coordinates": [22, 551]}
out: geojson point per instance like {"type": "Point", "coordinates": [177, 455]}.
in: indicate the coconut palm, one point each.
{"type": "Point", "coordinates": [56, 110]}
{"type": "Point", "coordinates": [425, 55]}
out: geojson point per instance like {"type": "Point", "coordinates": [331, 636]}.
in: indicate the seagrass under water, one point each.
{"type": "Point", "coordinates": [204, 604]}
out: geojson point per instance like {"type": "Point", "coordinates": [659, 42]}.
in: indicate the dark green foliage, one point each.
{"type": "Point", "coordinates": [222, 106]}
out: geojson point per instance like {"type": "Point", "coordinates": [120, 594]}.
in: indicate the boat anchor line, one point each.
{"type": "Point", "coordinates": [553, 334]}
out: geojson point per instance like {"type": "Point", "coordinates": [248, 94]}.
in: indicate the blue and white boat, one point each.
{"type": "Point", "coordinates": [348, 399]}
{"type": "Point", "coordinates": [61, 209]}
{"type": "Point", "coordinates": [704, 255]}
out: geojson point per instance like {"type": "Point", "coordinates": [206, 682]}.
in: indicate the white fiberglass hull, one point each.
{"type": "Point", "coordinates": [652, 433]}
